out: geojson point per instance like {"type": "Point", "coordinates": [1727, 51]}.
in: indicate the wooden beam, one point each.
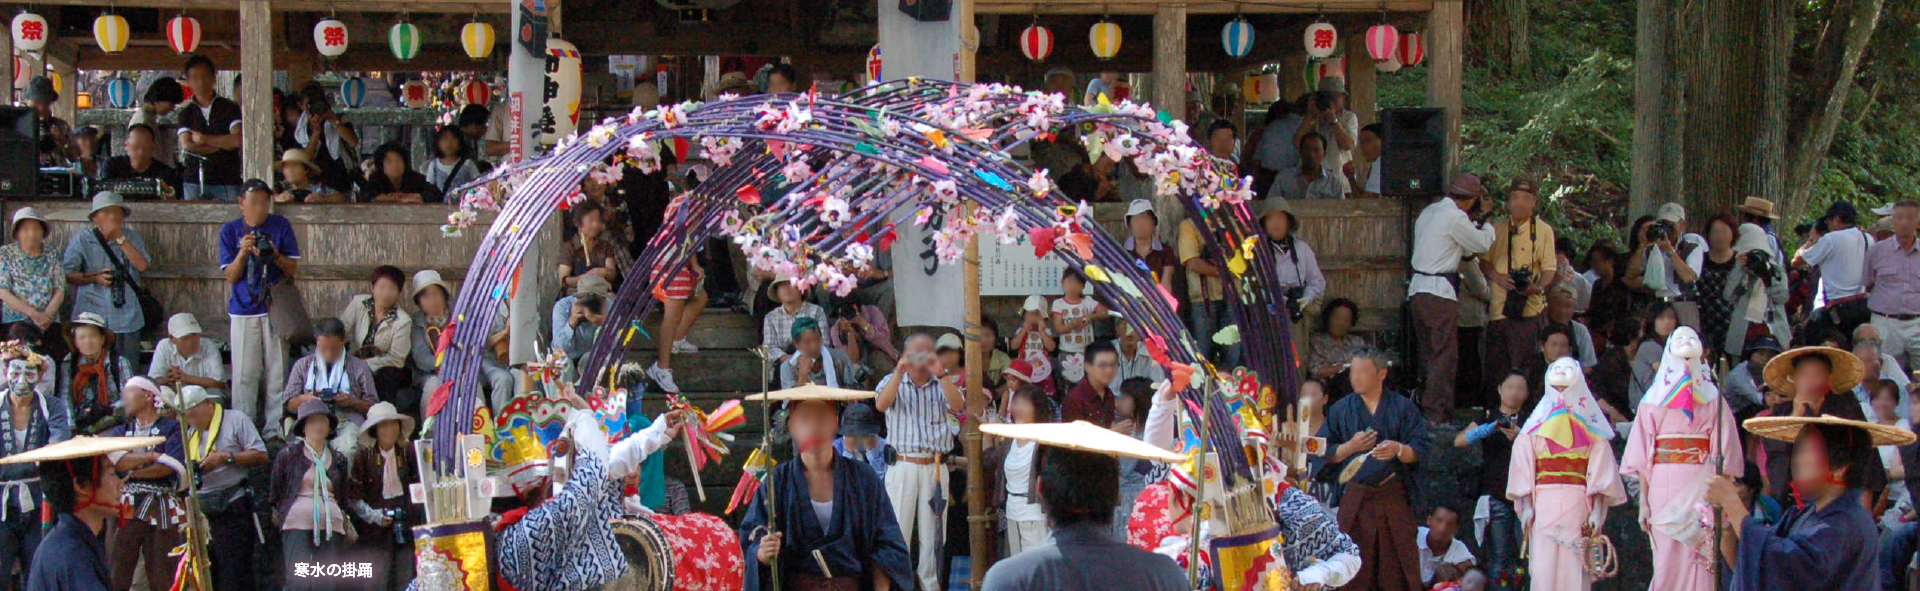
{"type": "Point", "coordinates": [68, 75]}
{"type": "Point", "coordinates": [1170, 60]}
{"type": "Point", "coordinates": [256, 89]}
{"type": "Point", "coordinates": [6, 70]}
{"type": "Point", "coordinates": [708, 38]}
{"type": "Point", "coordinates": [1045, 7]}
{"type": "Point", "coordinates": [453, 6]}
{"type": "Point", "coordinates": [438, 58]}
{"type": "Point", "coordinates": [1446, 57]}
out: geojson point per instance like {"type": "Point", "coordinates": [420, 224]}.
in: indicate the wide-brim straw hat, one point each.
{"type": "Point", "coordinates": [297, 156]}
{"type": "Point", "coordinates": [1082, 436]}
{"type": "Point", "coordinates": [1757, 206]}
{"type": "Point", "coordinates": [81, 446]}
{"type": "Point", "coordinates": [1847, 369]}
{"type": "Point", "coordinates": [382, 412]}
{"type": "Point", "coordinates": [813, 392]}
{"type": "Point", "coordinates": [1788, 428]}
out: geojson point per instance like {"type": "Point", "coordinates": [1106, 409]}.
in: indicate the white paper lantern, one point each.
{"type": "Point", "coordinates": [330, 37]}
{"type": "Point", "coordinates": [1389, 65]}
{"type": "Point", "coordinates": [30, 31]}
{"type": "Point", "coordinates": [560, 114]}
{"type": "Point", "coordinates": [1237, 37]}
{"type": "Point", "coordinates": [416, 94]}
{"type": "Point", "coordinates": [1321, 39]}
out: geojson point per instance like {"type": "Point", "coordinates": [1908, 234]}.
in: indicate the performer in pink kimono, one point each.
{"type": "Point", "coordinates": [1562, 478]}
{"type": "Point", "coordinates": [1681, 429]}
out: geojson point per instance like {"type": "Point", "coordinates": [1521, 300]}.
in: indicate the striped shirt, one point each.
{"type": "Point", "coordinates": [917, 421]}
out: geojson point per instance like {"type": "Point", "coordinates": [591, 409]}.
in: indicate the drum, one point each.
{"type": "Point", "coordinates": [649, 556]}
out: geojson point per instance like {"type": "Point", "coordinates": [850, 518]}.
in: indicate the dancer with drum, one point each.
{"type": "Point", "coordinates": [829, 525]}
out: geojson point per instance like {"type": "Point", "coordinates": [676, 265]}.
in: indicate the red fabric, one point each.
{"type": "Point", "coordinates": [1152, 518]}
{"type": "Point", "coordinates": [511, 517]}
{"type": "Point", "coordinates": [696, 566]}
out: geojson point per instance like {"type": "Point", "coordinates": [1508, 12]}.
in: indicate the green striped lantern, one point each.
{"type": "Point", "coordinates": [404, 40]}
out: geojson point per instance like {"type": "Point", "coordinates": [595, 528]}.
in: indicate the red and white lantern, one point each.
{"type": "Point", "coordinates": [183, 33]}
{"type": "Point", "coordinates": [1382, 40]}
{"type": "Point", "coordinates": [330, 37]}
{"type": "Point", "coordinates": [1412, 49]}
{"type": "Point", "coordinates": [476, 92]}
{"type": "Point", "coordinates": [30, 31]}
{"type": "Point", "coordinates": [1321, 39]}
{"type": "Point", "coordinates": [1036, 42]}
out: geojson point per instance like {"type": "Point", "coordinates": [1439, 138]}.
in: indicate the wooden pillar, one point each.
{"type": "Point", "coordinates": [1445, 60]}
{"type": "Point", "coordinates": [1170, 59]}
{"type": "Point", "coordinates": [6, 70]}
{"type": "Point", "coordinates": [256, 89]}
{"type": "Point", "coordinates": [1362, 98]}
{"type": "Point", "coordinates": [68, 74]}
{"type": "Point", "coordinates": [1292, 83]}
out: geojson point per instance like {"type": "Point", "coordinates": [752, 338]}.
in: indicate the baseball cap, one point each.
{"type": "Point", "coordinates": [1672, 212]}
{"type": "Point", "coordinates": [1035, 303]}
{"type": "Point", "coordinates": [183, 324]}
{"type": "Point", "coordinates": [947, 341]}
{"type": "Point", "coordinates": [257, 185]}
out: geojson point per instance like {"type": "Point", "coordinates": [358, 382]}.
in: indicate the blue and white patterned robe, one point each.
{"type": "Point", "coordinates": [566, 543]}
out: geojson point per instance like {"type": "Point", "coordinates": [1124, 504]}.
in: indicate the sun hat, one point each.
{"type": "Point", "coordinates": [429, 278]}
{"type": "Point", "coordinates": [106, 199]}
{"type": "Point", "coordinates": [948, 341]}
{"type": "Point", "coordinates": [192, 396]}
{"type": "Point", "coordinates": [1757, 206]}
{"type": "Point", "coordinates": [1788, 428]}
{"type": "Point", "coordinates": [89, 319]}
{"type": "Point", "coordinates": [40, 88]}
{"type": "Point", "coordinates": [1847, 369]}
{"type": "Point", "coordinates": [812, 392]}
{"type": "Point", "coordinates": [310, 409]}
{"type": "Point", "coordinates": [1466, 185]}
{"type": "Point", "coordinates": [382, 412]}
{"type": "Point", "coordinates": [183, 324]}
{"type": "Point", "coordinates": [297, 156]}
{"type": "Point", "coordinates": [81, 446]}
{"type": "Point", "coordinates": [29, 213]}
{"type": "Point", "coordinates": [860, 419]}
{"type": "Point", "coordinates": [1082, 436]}
{"type": "Point", "coordinates": [593, 284]}
{"type": "Point", "coordinates": [1140, 206]}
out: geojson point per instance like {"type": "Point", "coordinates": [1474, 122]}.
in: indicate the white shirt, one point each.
{"type": "Point", "coordinates": [205, 364]}
{"type": "Point", "coordinates": [822, 511]}
{"type": "Point", "coordinates": [1337, 158]}
{"type": "Point", "coordinates": [1456, 554]}
{"type": "Point", "coordinates": [1672, 287]}
{"type": "Point", "coordinates": [1018, 470]}
{"type": "Point", "coordinates": [1841, 257]}
{"type": "Point", "coordinates": [1076, 340]}
{"type": "Point", "coordinates": [1442, 236]}
{"type": "Point", "coordinates": [1373, 178]}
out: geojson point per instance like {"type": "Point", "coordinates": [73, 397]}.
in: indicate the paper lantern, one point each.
{"type": "Point", "coordinates": [1262, 88]}
{"type": "Point", "coordinates": [183, 33]}
{"type": "Point", "coordinates": [416, 94]}
{"type": "Point", "coordinates": [19, 70]}
{"type": "Point", "coordinates": [1382, 41]}
{"type": "Point", "coordinates": [1389, 65]}
{"type": "Point", "coordinates": [1036, 42]}
{"type": "Point", "coordinates": [110, 31]}
{"type": "Point", "coordinates": [30, 31]}
{"type": "Point", "coordinates": [476, 92]}
{"type": "Point", "coordinates": [1413, 48]}
{"type": "Point", "coordinates": [1321, 39]}
{"type": "Point", "coordinates": [353, 92]}
{"type": "Point", "coordinates": [120, 93]}
{"type": "Point", "coordinates": [1105, 38]}
{"type": "Point", "coordinates": [560, 115]}
{"type": "Point", "coordinates": [404, 40]}
{"type": "Point", "coordinates": [330, 37]}
{"type": "Point", "coordinates": [477, 39]}
{"type": "Point", "coordinates": [1330, 68]}
{"type": "Point", "coordinates": [873, 63]}
{"type": "Point", "coordinates": [1237, 37]}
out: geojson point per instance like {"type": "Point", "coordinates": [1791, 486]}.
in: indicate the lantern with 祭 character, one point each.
{"type": "Point", "coordinates": [30, 32]}
{"type": "Point", "coordinates": [1321, 40]}
{"type": "Point", "coordinates": [183, 33]}
{"type": "Point", "coordinates": [330, 37]}
{"type": "Point", "coordinates": [873, 63]}
{"type": "Point", "coordinates": [560, 113]}
{"type": "Point", "coordinates": [110, 31]}
{"type": "Point", "coordinates": [416, 94]}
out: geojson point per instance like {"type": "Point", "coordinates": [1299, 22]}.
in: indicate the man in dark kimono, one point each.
{"type": "Point", "coordinates": [84, 492]}
{"type": "Point", "coordinates": [849, 541]}
{"type": "Point", "coordinates": [1826, 539]}
{"type": "Point", "coordinates": [1078, 482]}
{"type": "Point", "coordinates": [1381, 437]}
{"type": "Point", "coordinates": [1820, 380]}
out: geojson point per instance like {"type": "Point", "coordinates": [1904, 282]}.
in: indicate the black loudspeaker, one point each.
{"type": "Point", "coordinates": [1413, 152]}
{"type": "Point", "coordinates": [19, 171]}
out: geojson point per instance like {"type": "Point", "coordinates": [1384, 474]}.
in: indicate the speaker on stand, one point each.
{"type": "Point", "coordinates": [19, 170]}
{"type": "Point", "coordinates": [1413, 166]}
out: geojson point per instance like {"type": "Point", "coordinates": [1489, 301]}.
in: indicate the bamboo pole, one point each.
{"type": "Point", "coordinates": [976, 407]}
{"type": "Point", "coordinates": [1199, 489]}
{"type": "Point", "coordinates": [766, 450]}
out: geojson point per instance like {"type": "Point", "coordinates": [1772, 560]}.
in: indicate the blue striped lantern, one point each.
{"type": "Point", "coordinates": [353, 92]}
{"type": "Point", "coordinates": [120, 93]}
{"type": "Point", "coordinates": [1237, 37]}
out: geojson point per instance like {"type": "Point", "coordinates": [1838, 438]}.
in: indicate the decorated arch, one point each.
{"type": "Point", "coordinates": [812, 187]}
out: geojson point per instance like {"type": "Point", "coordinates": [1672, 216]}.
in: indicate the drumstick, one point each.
{"type": "Point", "coordinates": [691, 463]}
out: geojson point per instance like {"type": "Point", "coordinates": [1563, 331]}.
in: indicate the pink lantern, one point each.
{"type": "Point", "coordinates": [1036, 42]}
{"type": "Point", "coordinates": [183, 33]}
{"type": "Point", "coordinates": [1413, 48]}
{"type": "Point", "coordinates": [1382, 40]}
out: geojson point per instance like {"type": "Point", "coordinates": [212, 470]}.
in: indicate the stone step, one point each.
{"type": "Point", "coordinates": [717, 328]}
{"type": "Point", "coordinates": [710, 370]}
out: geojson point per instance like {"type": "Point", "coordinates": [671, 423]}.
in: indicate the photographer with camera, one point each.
{"type": "Point", "coordinates": [1448, 230]}
{"type": "Point", "coordinates": [1838, 247]}
{"type": "Point", "coordinates": [1521, 267]}
{"type": "Point", "coordinates": [1327, 115]}
{"type": "Point", "coordinates": [376, 494]}
{"type": "Point", "coordinates": [1667, 274]}
{"type": "Point", "coordinates": [1757, 290]}
{"type": "Point", "coordinates": [224, 445]}
{"type": "Point", "coordinates": [1297, 269]}
{"type": "Point", "coordinates": [55, 136]}
{"type": "Point", "coordinates": [1494, 433]}
{"type": "Point", "coordinates": [258, 251]}
{"type": "Point", "coordinates": [331, 376]}
{"type": "Point", "coordinates": [105, 264]}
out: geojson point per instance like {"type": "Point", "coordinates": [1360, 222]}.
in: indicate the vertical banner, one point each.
{"type": "Point", "coordinates": [927, 49]}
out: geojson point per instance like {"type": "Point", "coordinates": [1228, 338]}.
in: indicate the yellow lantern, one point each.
{"type": "Point", "coordinates": [477, 39]}
{"type": "Point", "coordinates": [83, 100]}
{"type": "Point", "coordinates": [110, 31]}
{"type": "Point", "coordinates": [1105, 39]}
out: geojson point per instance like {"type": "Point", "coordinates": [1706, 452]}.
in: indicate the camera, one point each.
{"type": "Point", "coordinates": [397, 519]}
{"type": "Point", "coordinates": [1515, 305]}
{"type": "Point", "coordinates": [1295, 306]}
{"type": "Point", "coordinates": [1760, 264]}
{"type": "Point", "coordinates": [328, 396]}
{"type": "Point", "coordinates": [264, 244]}
{"type": "Point", "coordinates": [1660, 230]}
{"type": "Point", "coordinates": [1503, 422]}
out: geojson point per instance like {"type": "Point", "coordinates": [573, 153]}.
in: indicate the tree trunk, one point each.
{"type": "Point", "coordinates": [1727, 104]}
{"type": "Point", "coordinates": [1810, 152]}
{"type": "Point", "coordinates": [1519, 49]}
{"type": "Point", "coordinates": [1770, 150]}
{"type": "Point", "coordinates": [1651, 97]}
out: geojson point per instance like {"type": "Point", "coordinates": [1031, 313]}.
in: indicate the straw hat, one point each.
{"type": "Point", "coordinates": [1757, 206]}
{"type": "Point", "coordinates": [1788, 428]}
{"type": "Point", "coordinates": [813, 392]}
{"type": "Point", "coordinates": [382, 412]}
{"type": "Point", "coordinates": [1847, 369]}
{"type": "Point", "coordinates": [314, 408]}
{"type": "Point", "coordinates": [81, 446]}
{"type": "Point", "coordinates": [297, 156]}
{"type": "Point", "coordinates": [1082, 436]}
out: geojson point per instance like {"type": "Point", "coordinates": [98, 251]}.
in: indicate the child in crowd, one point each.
{"type": "Point", "coordinates": [1032, 341]}
{"type": "Point", "coordinates": [1443, 557]}
{"type": "Point", "coordinates": [1495, 432]}
{"type": "Point", "coordinates": [1073, 315]}
{"type": "Point", "coordinates": [1011, 462]}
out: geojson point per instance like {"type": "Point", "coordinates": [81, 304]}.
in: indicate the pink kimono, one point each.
{"type": "Point", "coordinates": [1557, 494]}
{"type": "Point", "coordinates": [1668, 451]}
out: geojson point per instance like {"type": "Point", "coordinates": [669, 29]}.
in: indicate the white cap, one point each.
{"type": "Point", "coordinates": [947, 341]}
{"type": "Point", "coordinates": [183, 324]}
{"type": "Point", "coordinates": [1140, 206]}
{"type": "Point", "coordinates": [1884, 210]}
{"type": "Point", "coordinates": [1035, 303]}
{"type": "Point", "coordinates": [1673, 212]}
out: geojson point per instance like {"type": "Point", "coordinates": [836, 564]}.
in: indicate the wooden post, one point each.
{"type": "Point", "coordinates": [68, 74]}
{"type": "Point", "coordinates": [1362, 99]}
{"type": "Point", "coordinates": [975, 351]}
{"type": "Point", "coordinates": [6, 70]}
{"type": "Point", "coordinates": [1446, 59]}
{"type": "Point", "coordinates": [1292, 84]}
{"type": "Point", "coordinates": [1170, 59]}
{"type": "Point", "coordinates": [256, 89]}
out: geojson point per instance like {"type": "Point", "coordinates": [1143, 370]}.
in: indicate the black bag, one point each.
{"type": "Point", "coordinates": [150, 308]}
{"type": "Point", "coordinates": [932, 11]}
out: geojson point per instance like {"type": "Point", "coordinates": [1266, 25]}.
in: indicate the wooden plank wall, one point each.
{"type": "Point", "coordinates": [340, 246]}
